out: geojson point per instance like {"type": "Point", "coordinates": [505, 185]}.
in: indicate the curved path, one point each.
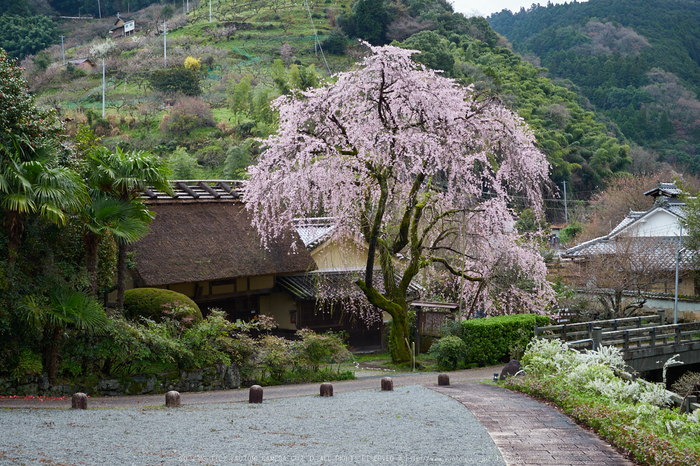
{"type": "Point", "coordinates": [528, 432]}
{"type": "Point", "coordinates": [525, 431]}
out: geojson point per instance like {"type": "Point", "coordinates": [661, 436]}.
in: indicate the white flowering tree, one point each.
{"type": "Point", "coordinates": [423, 171]}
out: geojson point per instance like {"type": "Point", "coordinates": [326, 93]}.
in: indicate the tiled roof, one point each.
{"type": "Point", "coordinates": [314, 230]}
{"type": "Point", "coordinates": [664, 189]}
{"type": "Point", "coordinates": [631, 217]}
{"type": "Point", "coordinates": [197, 191]}
{"type": "Point", "coordinates": [658, 253]}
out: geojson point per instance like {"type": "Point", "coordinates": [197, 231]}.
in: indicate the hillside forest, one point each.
{"type": "Point", "coordinates": [197, 93]}
{"type": "Point", "coordinates": [636, 64]}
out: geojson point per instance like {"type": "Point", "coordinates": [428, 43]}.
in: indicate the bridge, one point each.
{"type": "Point", "coordinates": [647, 342]}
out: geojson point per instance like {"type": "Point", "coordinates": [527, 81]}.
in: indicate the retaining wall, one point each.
{"type": "Point", "coordinates": [220, 377]}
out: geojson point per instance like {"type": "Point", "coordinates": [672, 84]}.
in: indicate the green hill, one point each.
{"type": "Point", "coordinates": [637, 62]}
{"type": "Point", "coordinates": [205, 118]}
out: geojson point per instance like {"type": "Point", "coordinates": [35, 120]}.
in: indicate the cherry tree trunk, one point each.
{"type": "Point", "coordinates": [397, 338]}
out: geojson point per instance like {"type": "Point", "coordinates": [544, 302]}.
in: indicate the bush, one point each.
{"type": "Point", "coordinates": [176, 79]}
{"type": "Point", "coordinates": [336, 43]}
{"type": "Point", "coordinates": [629, 414]}
{"type": "Point", "coordinates": [193, 64]}
{"type": "Point", "coordinates": [321, 348]}
{"type": "Point", "coordinates": [570, 232]}
{"type": "Point", "coordinates": [155, 303]}
{"type": "Point", "coordinates": [490, 340]}
{"type": "Point", "coordinates": [189, 113]}
{"type": "Point", "coordinates": [183, 165]}
{"type": "Point", "coordinates": [449, 352]}
{"type": "Point", "coordinates": [29, 364]}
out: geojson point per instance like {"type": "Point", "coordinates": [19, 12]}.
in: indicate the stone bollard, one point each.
{"type": "Point", "coordinates": [79, 401]}
{"type": "Point", "coordinates": [255, 395]}
{"type": "Point", "coordinates": [172, 399]}
{"type": "Point", "coordinates": [326, 389]}
{"type": "Point", "coordinates": [387, 384]}
{"type": "Point", "coordinates": [443, 379]}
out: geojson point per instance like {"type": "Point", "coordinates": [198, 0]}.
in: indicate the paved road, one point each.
{"type": "Point", "coordinates": [528, 432]}
{"type": "Point", "coordinates": [525, 431]}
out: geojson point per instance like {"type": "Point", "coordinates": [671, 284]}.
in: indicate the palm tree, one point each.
{"type": "Point", "coordinates": [31, 187]}
{"type": "Point", "coordinates": [103, 215]}
{"type": "Point", "coordinates": [126, 175]}
{"type": "Point", "coordinates": [64, 307]}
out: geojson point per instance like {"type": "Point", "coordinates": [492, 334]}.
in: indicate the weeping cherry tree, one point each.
{"type": "Point", "coordinates": [422, 171]}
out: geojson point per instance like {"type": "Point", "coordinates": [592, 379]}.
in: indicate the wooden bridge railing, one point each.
{"type": "Point", "coordinates": [579, 331]}
{"type": "Point", "coordinates": [628, 333]}
{"type": "Point", "coordinates": [653, 336]}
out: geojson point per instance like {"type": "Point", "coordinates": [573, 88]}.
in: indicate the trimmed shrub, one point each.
{"type": "Point", "coordinates": [155, 303]}
{"type": "Point", "coordinates": [489, 340]}
{"type": "Point", "coordinates": [176, 79]}
{"type": "Point", "coordinates": [449, 352]}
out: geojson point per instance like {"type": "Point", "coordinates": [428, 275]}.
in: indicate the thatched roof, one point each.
{"type": "Point", "coordinates": [199, 241]}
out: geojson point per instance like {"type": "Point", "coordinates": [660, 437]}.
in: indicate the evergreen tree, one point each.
{"type": "Point", "coordinates": [371, 20]}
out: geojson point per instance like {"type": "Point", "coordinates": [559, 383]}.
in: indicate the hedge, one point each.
{"type": "Point", "coordinates": [149, 302]}
{"type": "Point", "coordinates": [489, 339]}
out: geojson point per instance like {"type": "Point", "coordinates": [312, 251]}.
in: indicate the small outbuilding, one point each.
{"type": "Point", "coordinates": [83, 63]}
{"type": "Point", "coordinates": [122, 27]}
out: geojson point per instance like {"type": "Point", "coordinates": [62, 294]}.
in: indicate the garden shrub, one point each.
{"type": "Point", "coordinates": [29, 363]}
{"type": "Point", "coordinates": [449, 352]}
{"type": "Point", "coordinates": [156, 303]}
{"type": "Point", "coordinates": [489, 340]}
{"type": "Point", "coordinates": [321, 348]}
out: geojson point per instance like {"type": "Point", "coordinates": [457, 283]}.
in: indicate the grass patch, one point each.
{"type": "Point", "coordinates": [382, 361]}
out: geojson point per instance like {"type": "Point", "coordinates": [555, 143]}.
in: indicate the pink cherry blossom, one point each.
{"type": "Point", "coordinates": [422, 170]}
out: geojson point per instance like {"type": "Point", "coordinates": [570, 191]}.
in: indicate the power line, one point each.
{"type": "Point", "coordinates": [317, 44]}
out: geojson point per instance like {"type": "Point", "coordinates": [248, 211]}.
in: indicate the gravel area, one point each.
{"type": "Point", "coordinates": [411, 425]}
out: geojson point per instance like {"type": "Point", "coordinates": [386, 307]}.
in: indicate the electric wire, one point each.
{"type": "Point", "coordinates": [316, 41]}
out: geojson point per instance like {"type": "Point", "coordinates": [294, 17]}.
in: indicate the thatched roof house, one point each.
{"type": "Point", "coordinates": [195, 242]}
{"type": "Point", "coordinates": [202, 244]}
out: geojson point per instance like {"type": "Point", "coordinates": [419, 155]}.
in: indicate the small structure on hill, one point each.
{"type": "Point", "coordinates": [122, 27]}
{"type": "Point", "coordinates": [82, 63]}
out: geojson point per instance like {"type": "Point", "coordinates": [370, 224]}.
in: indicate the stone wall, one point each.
{"type": "Point", "coordinates": [220, 377]}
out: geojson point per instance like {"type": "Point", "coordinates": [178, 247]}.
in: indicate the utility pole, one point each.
{"type": "Point", "coordinates": [63, 50]}
{"type": "Point", "coordinates": [103, 88]}
{"type": "Point", "coordinates": [165, 48]}
{"type": "Point", "coordinates": [678, 261]}
{"type": "Point", "coordinates": [566, 209]}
